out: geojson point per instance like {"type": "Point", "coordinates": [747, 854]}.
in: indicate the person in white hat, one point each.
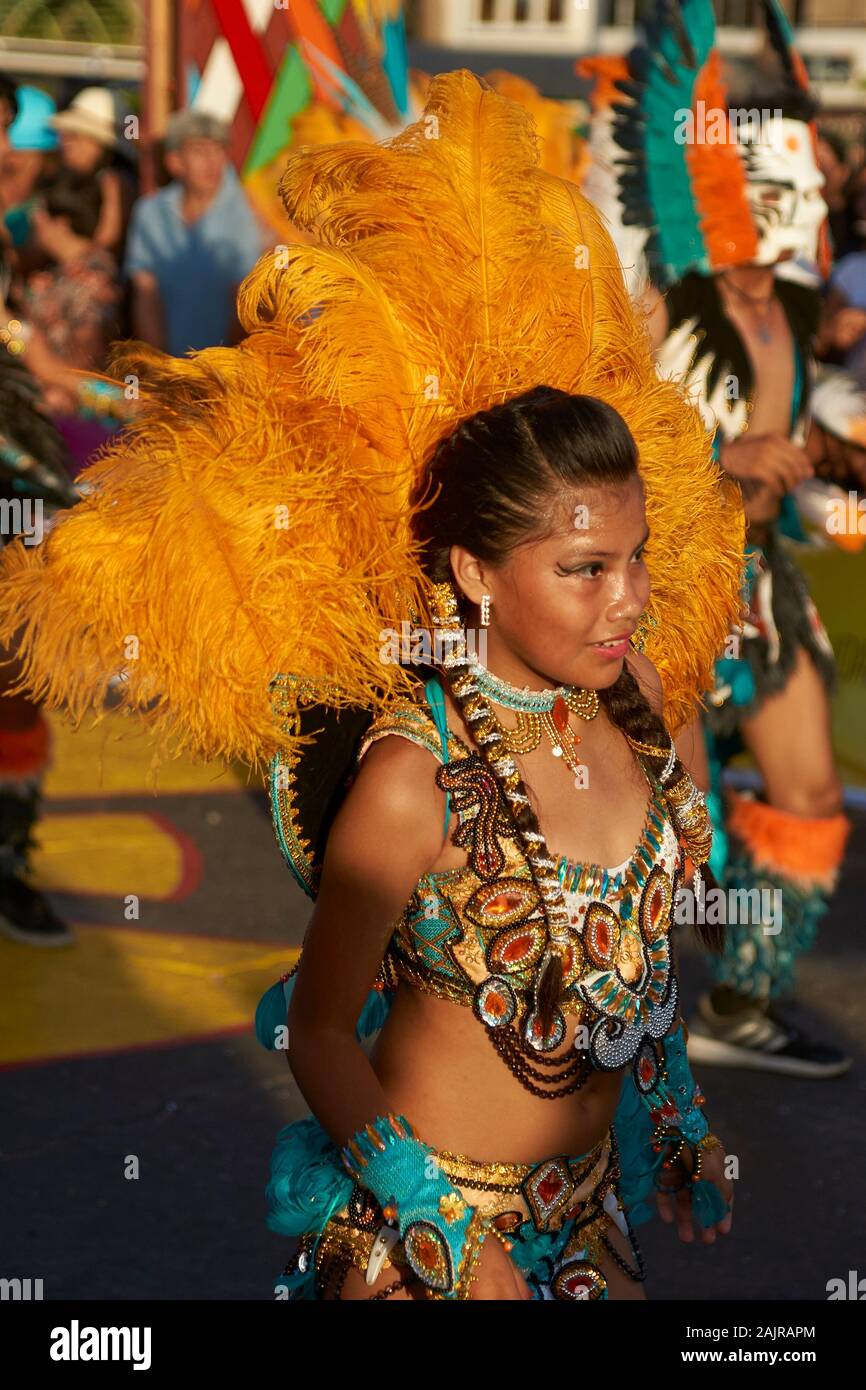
{"type": "Point", "coordinates": [90, 144]}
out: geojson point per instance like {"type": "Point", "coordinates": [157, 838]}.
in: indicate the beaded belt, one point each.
{"type": "Point", "coordinates": [545, 1193]}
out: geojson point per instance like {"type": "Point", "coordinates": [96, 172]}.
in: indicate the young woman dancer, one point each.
{"type": "Point", "coordinates": [454, 423]}
{"type": "Point", "coordinates": [565, 965]}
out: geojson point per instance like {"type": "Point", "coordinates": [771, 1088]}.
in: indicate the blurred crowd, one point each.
{"type": "Point", "coordinates": [85, 260]}
{"type": "Point", "coordinates": [843, 331]}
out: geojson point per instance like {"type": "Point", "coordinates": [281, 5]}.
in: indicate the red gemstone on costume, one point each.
{"type": "Point", "coordinates": [578, 1280]}
{"type": "Point", "coordinates": [656, 904]}
{"type": "Point", "coordinates": [560, 714]}
{"type": "Point", "coordinates": [426, 1252]}
{"type": "Point", "coordinates": [515, 949]}
{"type": "Point", "coordinates": [503, 902]}
{"type": "Point", "coordinates": [495, 1002]}
{"type": "Point", "coordinates": [549, 1188]}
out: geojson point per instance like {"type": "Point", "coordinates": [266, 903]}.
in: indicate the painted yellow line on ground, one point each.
{"type": "Point", "coordinates": [115, 758]}
{"type": "Point", "coordinates": [110, 853]}
{"type": "Point", "coordinates": [117, 989]}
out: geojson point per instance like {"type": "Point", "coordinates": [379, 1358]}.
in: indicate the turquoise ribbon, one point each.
{"type": "Point", "coordinates": [436, 701]}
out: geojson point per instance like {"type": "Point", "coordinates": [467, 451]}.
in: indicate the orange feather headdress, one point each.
{"type": "Point", "coordinates": [256, 517]}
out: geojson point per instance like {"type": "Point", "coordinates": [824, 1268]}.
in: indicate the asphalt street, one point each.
{"type": "Point", "coordinates": [136, 1044]}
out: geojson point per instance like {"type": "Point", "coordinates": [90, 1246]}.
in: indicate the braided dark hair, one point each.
{"type": "Point", "coordinates": [487, 488]}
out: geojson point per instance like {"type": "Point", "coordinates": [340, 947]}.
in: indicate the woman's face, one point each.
{"type": "Point", "coordinates": [80, 152]}
{"type": "Point", "coordinates": [564, 607]}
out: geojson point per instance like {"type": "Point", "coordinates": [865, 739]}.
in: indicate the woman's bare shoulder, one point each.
{"type": "Point", "coordinates": [648, 679]}
{"type": "Point", "coordinates": [394, 802]}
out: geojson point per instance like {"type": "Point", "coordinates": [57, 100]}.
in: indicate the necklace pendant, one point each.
{"type": "Point", "coordinates": [560, 714]}
{"type": "Point", "coordinates": [557, 751]}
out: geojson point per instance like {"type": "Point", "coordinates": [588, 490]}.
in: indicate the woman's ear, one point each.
{"type": "Point", "coordinates": [468, 573]}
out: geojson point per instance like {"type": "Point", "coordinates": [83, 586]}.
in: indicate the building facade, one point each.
{"type": "Point", "coordinates": [831, 34]}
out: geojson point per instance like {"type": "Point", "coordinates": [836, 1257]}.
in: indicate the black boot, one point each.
{"type": "Point", "coordinates": [25, 914]}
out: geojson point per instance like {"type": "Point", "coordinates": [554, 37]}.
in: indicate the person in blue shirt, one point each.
{"type": "Point", "coordinates": [191, 243]}
{"type": "Point", "coordinates": [844, 323]}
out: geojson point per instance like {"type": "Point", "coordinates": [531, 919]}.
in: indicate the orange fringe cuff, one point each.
{"type": "Point", "coordinates": [808, 850]}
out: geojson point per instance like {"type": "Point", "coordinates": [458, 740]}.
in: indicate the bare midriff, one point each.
{"type": "Point", "coordinates": [439, 1069]}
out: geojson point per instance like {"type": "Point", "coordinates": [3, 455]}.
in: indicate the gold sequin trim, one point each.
{"type": "Point", "coordinates": [503, 1177]}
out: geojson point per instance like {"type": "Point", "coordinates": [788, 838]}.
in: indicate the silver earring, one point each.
{"type": "Point", "coordinates": [485, 611]}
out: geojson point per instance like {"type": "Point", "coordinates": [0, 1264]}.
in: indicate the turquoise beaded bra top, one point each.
{"type": "Point", "coordinates": [474, 934]}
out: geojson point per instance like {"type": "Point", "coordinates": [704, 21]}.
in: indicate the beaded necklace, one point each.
{"type": "Point", "coordinates": [528, 701]}
{"type": "Point", "coordinates": [539, 712]}
{"type": "Point", "coordinates": [624, 885]}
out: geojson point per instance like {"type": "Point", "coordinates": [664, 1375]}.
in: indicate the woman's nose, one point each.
{"type": "Point", "coordinates": [628, 604]}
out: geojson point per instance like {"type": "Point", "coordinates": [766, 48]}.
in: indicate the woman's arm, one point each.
{"type": "Point", "coordinates": [109, 229]}
{"type": "Point", "coordinates": [57, 377]}
{"type": "Point", "coordinates": [387, 834]}
{"type": "Point", "coordinates": [692, 752]}
{"type": "Point", "coordinates": [148, 311]}
{"type": "Point", "coordinates": [841, 326]}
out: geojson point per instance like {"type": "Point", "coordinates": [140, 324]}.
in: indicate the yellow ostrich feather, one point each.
{"type": "Point", "coordinates": [561, 150]}
{"type": "Point", "coordinates": [318, 125]}
{"type": "Point", "coordinates": [255, 518]}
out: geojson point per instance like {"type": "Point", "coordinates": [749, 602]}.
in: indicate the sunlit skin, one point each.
{"type": "Point", "coordinates": [554, 598]}
{"type": "Point", "coordinates": [557, 596]}
{"type": "Point", "coordinates": [19, 173]}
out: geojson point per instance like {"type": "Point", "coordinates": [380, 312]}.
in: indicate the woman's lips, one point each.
{"type": "Point", "coordinates": [613, 650]}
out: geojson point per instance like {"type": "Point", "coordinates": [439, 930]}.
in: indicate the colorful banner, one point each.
{"type": "Point", "coordinates": [283, 71]}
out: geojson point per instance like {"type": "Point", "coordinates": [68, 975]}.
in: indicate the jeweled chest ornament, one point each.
{"type": "Point", "coordinates": [540, 712]}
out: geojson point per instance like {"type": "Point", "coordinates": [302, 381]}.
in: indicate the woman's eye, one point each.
{"type": "Point", "coordinates": [591, 571]}
{"type": "Point", "coordinates": [640, 554]}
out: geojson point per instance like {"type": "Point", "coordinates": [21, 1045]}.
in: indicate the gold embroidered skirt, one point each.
{"type": "Point", "coordinates": [555, 1215]}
